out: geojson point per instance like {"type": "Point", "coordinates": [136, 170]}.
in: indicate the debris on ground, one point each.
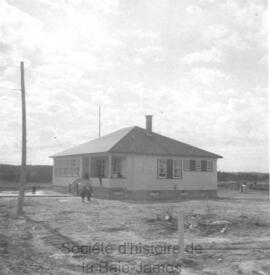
{"type": "Point", "coordinates": [234, 235]}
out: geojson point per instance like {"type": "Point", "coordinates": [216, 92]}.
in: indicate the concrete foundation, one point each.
{"type": "Point", "coordinates": [148, 195]}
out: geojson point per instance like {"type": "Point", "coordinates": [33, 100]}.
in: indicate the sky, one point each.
{"type": "Point", "coordinates": [198, 66]}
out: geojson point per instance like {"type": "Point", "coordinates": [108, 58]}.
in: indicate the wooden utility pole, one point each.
{"type": "Point", "coordinates": [99, 126]}
{"type": "Point", "coordinates": [23, 163]}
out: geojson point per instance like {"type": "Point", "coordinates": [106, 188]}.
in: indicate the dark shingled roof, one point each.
{"type": "Point", "coordinates": [135, 140]}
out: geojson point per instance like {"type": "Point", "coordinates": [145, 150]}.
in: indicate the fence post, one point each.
{"type": "Point", "coordinates": [77, 189]}
{"type": "Point", "coordinates": [181, 235]}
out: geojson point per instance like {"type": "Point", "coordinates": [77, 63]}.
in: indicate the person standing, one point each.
{"type": "Point", "coordinates": [85, 189]}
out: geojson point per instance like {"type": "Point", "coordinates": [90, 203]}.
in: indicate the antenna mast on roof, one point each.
{"type": "Point", "coordinates": [99, 126]}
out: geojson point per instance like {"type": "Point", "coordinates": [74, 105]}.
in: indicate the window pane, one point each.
{"type": "Point", "coordinates": [210, 165]}
{"type": "Point", "coordinates": [198, 165]}
{"type": "Point", "coordinates": [192, 165]}
{"type": "Point", "coordinates": [186, 165]}
{"type": "Point", "coordinates": [162, 168]}
{"type": "Point", "coordinates": [177, 168]}
{"type": "Point", "coordinates": [117, 168]}
{"type": "Point", "coordinates": [65, 171]}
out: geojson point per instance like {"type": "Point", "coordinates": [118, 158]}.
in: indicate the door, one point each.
{"type": "Point", "coordinates": [85, 167]}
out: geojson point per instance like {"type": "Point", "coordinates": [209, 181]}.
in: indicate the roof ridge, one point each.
{"type": "Point", "coordinates": [131, 129]}
{"type": "Point", "coordinates": [172, 139]}
{"type": "Point", "coordinates": [122, 141]}
{"type": "Point", "coordinates": [175, 140]}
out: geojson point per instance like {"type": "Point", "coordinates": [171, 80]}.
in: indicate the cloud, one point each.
{"type": "Point", "coordinates": [28, 29]}
{"type": "Point", "coordinates": [212, 55]}
{"type": "Point", "coordinates": [193, 10]}
{"type": "Point", "coordinates": [206, 75]}
{"type": "Point", "coordinates": [199, 68]}
{"type": "Point", "coordinates": [215, 32]}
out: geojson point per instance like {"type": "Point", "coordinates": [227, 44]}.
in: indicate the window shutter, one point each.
{"type": "Point", "coordinates": [158, 167]}
{"type": "Point", "coordinates": [204, 165]}
{"type": "Point", "coordinates": [169, 168]}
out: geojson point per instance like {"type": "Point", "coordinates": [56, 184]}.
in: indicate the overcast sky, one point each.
{"type": "Point", "coordinates": [200, 67]}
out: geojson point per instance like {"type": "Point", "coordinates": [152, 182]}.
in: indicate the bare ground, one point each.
{"type": "Point", "coordinates": [233, 233]}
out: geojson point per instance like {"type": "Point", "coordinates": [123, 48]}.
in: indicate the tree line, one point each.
{"type": "Point", "coordinates": [35, 173]}
{"type": "Point", "coordinates": [243, 176]}
{"type": "Point", "coordinates": [43, 173]}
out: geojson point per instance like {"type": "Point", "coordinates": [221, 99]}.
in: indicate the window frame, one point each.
{"type": "Point", "coordinates": [117, 168]}
{"type": "Point", "coordinates": [193, 161]}
{"type": "Point", "coordinates": [180, 166]}
{"type": "Point", "coordinates": [169, 163]}
{"type": "Point", "coordinates": [210, 166]}
{"type": "Point", "coordinates": [67, 167]}
{"type": "Point", "coordinates": [198, 165]}
{"type": "Point", "coordinates": [158, 168]}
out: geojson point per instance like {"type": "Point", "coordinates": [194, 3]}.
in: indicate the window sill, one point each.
{"type": "Point", "coordinates": [199, 171]}
{"type": "Point", "coordinates": [180, 178]}
{"type": "Point", "coordinates": [64, 176]}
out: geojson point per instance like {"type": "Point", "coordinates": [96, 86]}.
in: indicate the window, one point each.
{"type": "Point", "coordinates": [186, 165]}
{"type": "Point", "coordinates": [162, 168]}
{"type": "Point", "coordinates": [67, 167]}
{"type": "Point", "coordinates": [65, 171]}
{"type": "Point", "coordinates": [177, 169]}
{"type": "Point", "coordinates": [77, 171]}
{"type": "Point", "coordinates": [117, 167]}
{"type": "Point", "coordinates": [198, 165]}
{"type": "Point", "coordinates": [169, 168]}
{"type": "Point", "coordinates": [99, 167]}
{"type": "Point", "coordinates": [192, 165]}
{"type": "Point", "coordinates": [209, 165]}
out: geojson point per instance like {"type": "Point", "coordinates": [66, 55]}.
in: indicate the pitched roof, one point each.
{"type": "Point", "coordinates": [98, 145]}
{"type": "Point", "coordinates": [135, 140]}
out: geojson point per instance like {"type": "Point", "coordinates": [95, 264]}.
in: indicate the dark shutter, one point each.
{"type": "Point", "coordinates": [204, 165]}
{"type": "Point", "coordinates": [158, 168]}
{"type": "Point", "coordinates": [169, 168]}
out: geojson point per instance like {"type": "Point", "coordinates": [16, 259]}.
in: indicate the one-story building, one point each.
{"type": "Point", "coordinates": [136, 163]}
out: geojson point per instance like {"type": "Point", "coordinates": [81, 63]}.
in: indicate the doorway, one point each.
{"type": "Point", "coordinates": [85, 166]}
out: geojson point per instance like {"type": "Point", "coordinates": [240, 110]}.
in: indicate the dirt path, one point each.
{"type": "Point", "coordinates": [234, 236]}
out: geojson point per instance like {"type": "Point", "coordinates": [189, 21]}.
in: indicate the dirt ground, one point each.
{"type": "Point", "coordinates": [230, 235]}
